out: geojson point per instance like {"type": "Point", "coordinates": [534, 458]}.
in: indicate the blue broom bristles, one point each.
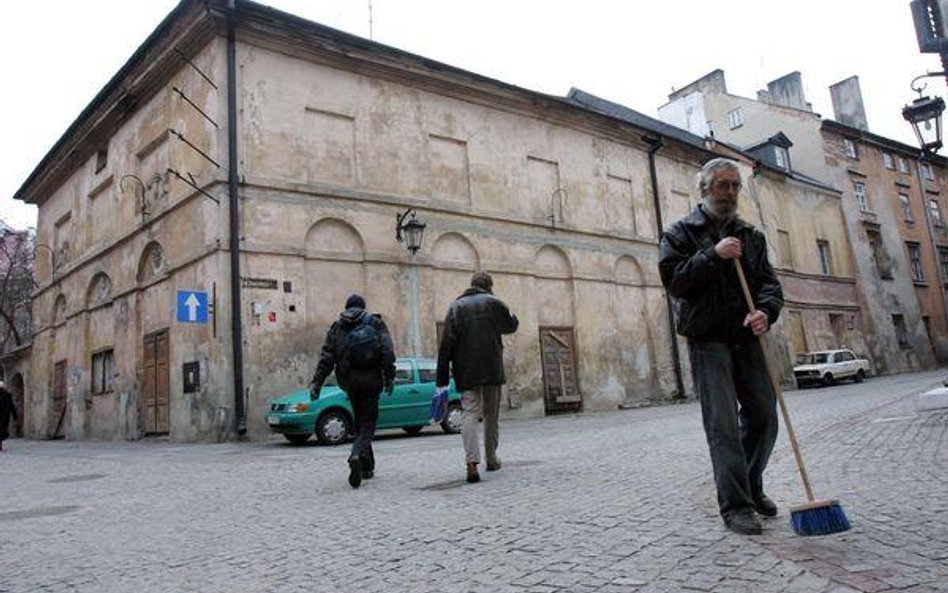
{"type": "Point", "coordinates": [819, 520]}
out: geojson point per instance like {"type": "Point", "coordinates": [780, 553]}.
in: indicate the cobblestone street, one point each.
{"type": "Point", "coordinates": [600, 502]}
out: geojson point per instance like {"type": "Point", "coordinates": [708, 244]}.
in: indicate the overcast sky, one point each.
{"type": "Point", "coordinates": [56, 55]}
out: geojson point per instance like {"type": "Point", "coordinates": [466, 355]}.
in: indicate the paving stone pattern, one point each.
{"type": "Point", "coordinates": [615, 502]}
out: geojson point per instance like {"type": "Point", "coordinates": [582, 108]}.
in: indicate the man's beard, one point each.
{"type": "Point", "coordinates": [722, 209]}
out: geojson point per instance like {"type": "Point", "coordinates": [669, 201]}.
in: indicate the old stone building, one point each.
{"type": "Point", "coordinates": [891, 328]}
{"type": "Point", "coordinates": [279, 154]}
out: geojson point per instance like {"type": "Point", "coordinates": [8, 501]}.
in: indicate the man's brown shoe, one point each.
{"type": "Point", "coordinates": [472, 475]}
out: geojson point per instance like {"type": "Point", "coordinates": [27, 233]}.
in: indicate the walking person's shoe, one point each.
{"type": "Point", "coordinates": [494, 465]}
{"type": "Point", "coordinates": [764, 506]}
{"type": "Point", "coordinates": [355, 472]}
{"type": "Point", "coordinates": [743, 521]}
{"type": "Point", "coordinates": [472, 475]}
{"type": "Point", "coordinates": [368, 474]}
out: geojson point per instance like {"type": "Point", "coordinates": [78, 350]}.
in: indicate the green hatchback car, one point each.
{"type": "Point", "coordinates": [297, 418]}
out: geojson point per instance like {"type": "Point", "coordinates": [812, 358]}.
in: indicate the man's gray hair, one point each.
{"type": "Point", "coordinates": [706, 174]}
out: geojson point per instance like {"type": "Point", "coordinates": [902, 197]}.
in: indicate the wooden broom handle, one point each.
{"type": "Point", "coordinates": [776, 386]}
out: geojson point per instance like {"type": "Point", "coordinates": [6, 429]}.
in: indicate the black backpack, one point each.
{"type": "Point", "coordinates": [362, 347]}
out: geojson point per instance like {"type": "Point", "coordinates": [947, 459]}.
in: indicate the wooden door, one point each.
{"type": "Point", "coordinates": [558, 356]}
{"type": "Point", "coordinates": [155, 388]}
{"type": "Point", "coordinates": [797, 334]}
{"type": "Point", "coordinates": [58, 412]}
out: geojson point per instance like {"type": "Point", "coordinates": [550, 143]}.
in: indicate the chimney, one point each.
{"type": "Point", "coordinates": [711, 83]}
{"type": "Point", "coordinates": [847, 103]}
{"type": "Point", "coordinates": [788, 91]}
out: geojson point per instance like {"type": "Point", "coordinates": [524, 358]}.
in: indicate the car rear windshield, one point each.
{"type": "Point", "coordinates": [813, 358]}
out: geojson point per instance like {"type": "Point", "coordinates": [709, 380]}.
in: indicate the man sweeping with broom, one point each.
{"type": "Point", "coordinates": [738, 403]}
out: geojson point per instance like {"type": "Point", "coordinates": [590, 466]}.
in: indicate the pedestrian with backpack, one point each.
{"type": "Point", "coordinates": [471, 349]}
{"type": "Point", "coordinates": [359, 347]}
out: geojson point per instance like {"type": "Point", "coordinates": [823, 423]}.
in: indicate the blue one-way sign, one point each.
{"type": "Point", "coordinates": [192, 306]}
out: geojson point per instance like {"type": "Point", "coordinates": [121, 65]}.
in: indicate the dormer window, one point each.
{"type": "Point", "coordinates": [782, 157]}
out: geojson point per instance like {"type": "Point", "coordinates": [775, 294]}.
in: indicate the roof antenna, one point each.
{"type": "Point", "coordinates": [370, 21]}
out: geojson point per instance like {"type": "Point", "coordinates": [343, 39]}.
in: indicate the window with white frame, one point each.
{"type": "Point", "coordinates": [735, 118]}
{"type": "Point", "coordinates": [849, 148]}
{"type": "Point", "coordinates": [935, 209]}
{"type": "Point", "coordinates": [782, 157]}
{"type": "Point", "coordinates": [887, 161]}
{"type": "Point", "coordinates": [926, 170]}
{"type": "Point", "coordinates": [103, 369]}
{"type": "Point", "coordinates": [915, 259]}
{"type": "Point", "coordinates": [826, 259]}
{"type": "Point", "coordinates": [906, 207]}
{"type": "Point", "coordinates": [859, 190]}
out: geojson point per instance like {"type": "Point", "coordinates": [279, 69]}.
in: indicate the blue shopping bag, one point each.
{"type": "Point", "coordinates": [439, 404]}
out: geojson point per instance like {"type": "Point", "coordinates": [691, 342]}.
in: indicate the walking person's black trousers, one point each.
{"type": "Point", "coordinates": [739, 411]}
{"type": "Point", "coordinates": [365, 409]}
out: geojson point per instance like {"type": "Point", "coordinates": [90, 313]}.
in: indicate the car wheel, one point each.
{"type": "Point", "coordinates": [297, 439]}
{"type": "Point", "coordinates": [452, 419]}
{"type": "Point", "coordinates": [333, 427]}
{"type": "Point", "coordinates": [828, 379]}
{"type": "Point", "coordinates": [860, 376]}
{"type": "Point", "coordinates": [412, 429]}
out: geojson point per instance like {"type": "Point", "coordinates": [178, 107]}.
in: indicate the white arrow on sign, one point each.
{"type": "Point", "coordinates": [192, 304]}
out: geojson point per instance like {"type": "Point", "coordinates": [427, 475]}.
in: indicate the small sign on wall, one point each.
{"type": "Point", "coordinates": [191, 372]}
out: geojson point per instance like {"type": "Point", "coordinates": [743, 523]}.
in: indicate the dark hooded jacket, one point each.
{"type": "Point", "coordinates": [470, 341]}
{"type": "Point", "coordinates": [708, 299]}
{"type": "Point", "coordinates": [333, 350]}
{"type": "Point", "coordinates": [7, 410]}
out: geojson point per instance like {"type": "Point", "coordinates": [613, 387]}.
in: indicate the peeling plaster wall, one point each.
{"type": "Point", "coordinates": [132, 242]}
{"type": "Point", "coordinates": [562, 217]}
{"type": "Point", "coordinates": [881, 298]}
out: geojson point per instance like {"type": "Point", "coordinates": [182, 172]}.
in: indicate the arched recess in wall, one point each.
{"type": "Point", "coordinates": [334, 267]}
{"type": "Point", "coordinates": [99, 290]}
{"type": "Point", "coordinates": [635, 341]}
{"type": "Point", "coordinates": [453, 259]}
{"type": "Point", "coordinates": [151, 264]}
{"type": "Point", "coordinates": [59, 310]}
{"type": "Point", "coordinates": [553, 287]}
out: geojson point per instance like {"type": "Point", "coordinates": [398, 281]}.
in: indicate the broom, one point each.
{"type": "Point", "coordinates": [814, 517]}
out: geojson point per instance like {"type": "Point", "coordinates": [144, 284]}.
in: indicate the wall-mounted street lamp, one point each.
{"type": "Point", "coordinates": [413, 230]}
{"type": "Point", "coordinates": [925, 116]}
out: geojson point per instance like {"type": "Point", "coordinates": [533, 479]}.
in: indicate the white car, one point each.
{"type": "Point", "coordinates": [828, 366]}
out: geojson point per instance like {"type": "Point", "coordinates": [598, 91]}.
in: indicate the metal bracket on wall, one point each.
{"type": "Point", "coordinates": [141, 198]}
{"type": "Point", "coordinates": [193, 183]}
{"type": "Point", "coordinates": [193, 65]}
{"type": "Point", "coordinates": [196, 108]}
{"type": "Point", "coordinates": [181, 137]}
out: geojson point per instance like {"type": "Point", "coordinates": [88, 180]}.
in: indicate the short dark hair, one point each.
{"type": "Point", "coordinates": [356, 301]}
{"type": "Point", "coordinates": [482, 280]}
